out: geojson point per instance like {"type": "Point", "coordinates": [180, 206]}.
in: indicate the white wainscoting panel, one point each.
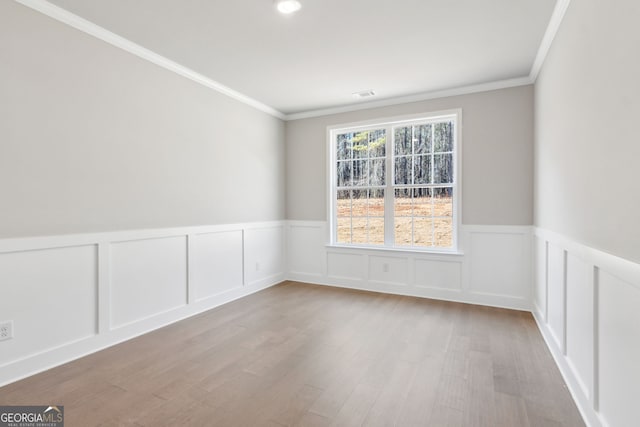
{"type": "Point", "coordinates": [500, 263]}
{"type": "Point", "coordinates": [579, 330]}
{"type": "Point", "coordinates": [494, 267]}
{"type": "Point", "coordinates": [305, 248]}
{"type": "Point", "coordinates": [540, 279]}
{"type": "Point", "coordinates": [389, 270]}
{"type": "Point", "coordinates": [264, 254]}
{"type": "Point", "coordinates": [72, 295]}
{"type": "Point", "coordinates": [599, 312]}
{"type": "Point", "coordinates": [50, 295]}
{"type": "Point", "coordinates": [148, 277]}
{"type": "Point", "coordinates": [438, 274]}
{"type": "Point", "coordinates": [346, 266]}
{"type": "Point", "coordinates": [216, 263]}
{"type": "Point", "coordinates": [556, 293]}
{"type": "Point", "coordinates": [619, 350]}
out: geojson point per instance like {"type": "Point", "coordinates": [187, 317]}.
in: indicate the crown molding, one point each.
{"type": "Point", "coordinates": [556, 19]}
{"type": "Point", "coordinates": [547, 40]}
{"type": "Point", "coordinates": [105, 35]}
{"type": "Point", "coordinates": [465, 90]}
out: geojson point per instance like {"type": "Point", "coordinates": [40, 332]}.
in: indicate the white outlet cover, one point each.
{"type": "Point", "coordinates": [6, 330]}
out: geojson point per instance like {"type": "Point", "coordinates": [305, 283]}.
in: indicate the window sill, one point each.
{"type": "Point", "coordinates": [413, 251]}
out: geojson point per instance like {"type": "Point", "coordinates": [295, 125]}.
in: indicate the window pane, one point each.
{"type": "Point", "coordinates": [422, 139]}
{"type": "Point", "coordinates": [422, 203]}
{"type": "Point", "coordinates": [377, 143]}
{"type": "Point", "coordinates": [376, 203]}
{"type": "Point", "coordinates": [443, 232]}
{"type": "Point", "coordinates": [402, 231]}
{"type": "Point", "coordinates": [423, 231]}
{"type": "Point", "coordinates": [360, 173]}
{"type": "Point", "coordinates": [376, 231]}
{"type": "Point", "coordinates": [361, 145]}
{"type": "Point", "coordinates": [343, 146]}
{"type": "Point", "coordinates": [343, 171]}
{"type": "Point", "coordinates": [343, 207]}
{"type": "Point", "coordinates": [402, 202]}
{"type": "Point", "coordinates": [343, 204]}
{"type": "Point", "coordinates": [443, 202]}
{"type": "Point", "coordinates": [443, 169]}
{"type": "Point", "coordinates": [402, 141]}
{"type": "Point", "coordinates": [402, 171]}
{"type": "Point", "coordinates": [344, 229]}
{"type": "Point", "coordinates": [444, 137]}
{"type": "Point", "coordinates": [359, 230]}
{"type": "Point", "coordinates": [359, 202]}
{"type": "Point", "coordinates": [422, 169]}
{"type": "Point", "coordinates": [376, 172]}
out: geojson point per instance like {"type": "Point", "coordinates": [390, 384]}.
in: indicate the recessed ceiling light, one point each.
{"type": "Point", "coordinates": [287, 6]}
{"type": "Point", "coordinates": [364, 94]}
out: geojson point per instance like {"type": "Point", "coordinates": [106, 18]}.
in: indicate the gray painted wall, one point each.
{"type": "Point", "coordinates": [587, 151]}
{"type": "Point", "coordinates": [95, 139]}
{"type": "Point", "coordinates": [497, 162]}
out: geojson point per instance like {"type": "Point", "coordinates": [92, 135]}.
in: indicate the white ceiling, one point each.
{"type": "Point", "coordinates": [316, 58]}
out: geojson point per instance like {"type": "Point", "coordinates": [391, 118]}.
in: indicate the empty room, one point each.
{"type": "Point", "coordinates": [319, 213]}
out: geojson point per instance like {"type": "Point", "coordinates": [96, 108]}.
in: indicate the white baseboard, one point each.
{"type": "Point", "coordinates": [69, 296]}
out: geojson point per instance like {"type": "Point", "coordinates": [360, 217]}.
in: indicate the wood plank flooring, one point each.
{"type": "Point", "coordinates": [304, 355]}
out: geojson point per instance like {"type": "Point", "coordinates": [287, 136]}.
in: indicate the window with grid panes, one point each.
{"type": "Point", "coordinates": [395, 184]}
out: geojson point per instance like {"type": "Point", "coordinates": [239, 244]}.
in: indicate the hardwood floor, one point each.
{"type": "Point", "coordinates": [303, 355]}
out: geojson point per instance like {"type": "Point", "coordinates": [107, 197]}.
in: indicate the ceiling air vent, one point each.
{"type": "Point", "coordinates": [364, 94]}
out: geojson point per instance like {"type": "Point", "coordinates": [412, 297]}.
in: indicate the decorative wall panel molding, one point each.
{"type": "Point", "coordinates": [69, 296]}
{"type": "Point", "coordinates": [587, 305]}
{"type": "Point", "coordinates": [494, 267]}
{"type": "Point", "coordinates": [72, 295]}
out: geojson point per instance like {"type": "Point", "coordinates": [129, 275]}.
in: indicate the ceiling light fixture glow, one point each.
{"type": "Point", "coordinates": [288, 6]}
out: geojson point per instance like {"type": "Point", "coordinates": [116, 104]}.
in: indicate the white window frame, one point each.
{"type": "Point", "coordinates": [388, 123]}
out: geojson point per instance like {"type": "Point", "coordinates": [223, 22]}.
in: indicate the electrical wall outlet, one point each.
{"type": "Point", "coordinates": [6, 330]}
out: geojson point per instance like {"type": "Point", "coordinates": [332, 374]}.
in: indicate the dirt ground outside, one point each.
{"type": "Point", "coordinates": [419, 221]}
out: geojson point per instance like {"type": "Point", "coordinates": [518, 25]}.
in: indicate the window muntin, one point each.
{"type": "Point", "coordinates": [396, 184]}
